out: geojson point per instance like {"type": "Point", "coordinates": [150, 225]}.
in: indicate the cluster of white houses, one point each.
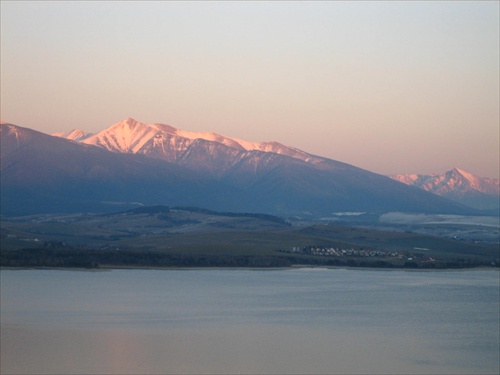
{"type": "Point", "coordinates": [336, 252]}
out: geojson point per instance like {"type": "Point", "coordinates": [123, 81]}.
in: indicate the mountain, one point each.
{"type": "Point", "coordinates": [167, 142]}
{"type": "Point", "coordinates": [459, 186]}
{"type": "Point", "coordinates": [74, 135]}
{"type": "Point", "coordinates": [44, 174]}
{"type": "Point", "coordinates": [182, 147]}
{"type": "Point", "coordinates": [133, 163]}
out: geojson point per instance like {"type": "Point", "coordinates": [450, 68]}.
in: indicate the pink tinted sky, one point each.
{"type": "Point", "coordinates": [391, 87]}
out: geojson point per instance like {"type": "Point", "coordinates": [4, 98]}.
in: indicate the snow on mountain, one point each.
{"type": "Point", "coordinates": [458, 185]}
{"type": "Point", "coordinates": [74, 135]}
{"type": "Point", "coordinates": [166, 142]}
{"type": "Point", "coordinates": [454, 180]}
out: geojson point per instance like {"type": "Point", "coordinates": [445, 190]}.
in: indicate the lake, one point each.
{"type": "Point", "coordinates": [235, 321]}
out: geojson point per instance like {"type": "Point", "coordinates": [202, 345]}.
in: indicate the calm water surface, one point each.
{"type": "Point", "coordinates": [330, 321]}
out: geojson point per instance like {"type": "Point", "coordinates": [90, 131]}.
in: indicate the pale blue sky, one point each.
{"type": "Point", "coordinates": [387, 86]}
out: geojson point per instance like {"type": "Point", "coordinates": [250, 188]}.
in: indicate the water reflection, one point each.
{"type": "Point", "coordinates": [238, 350]}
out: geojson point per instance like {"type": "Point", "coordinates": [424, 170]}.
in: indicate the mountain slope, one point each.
{"type": "Point", "coordinates": [42, 173]}
{"type": "Point", "coordinates": [458, 185]}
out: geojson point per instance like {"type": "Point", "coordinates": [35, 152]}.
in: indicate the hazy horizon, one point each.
{"type": "Point", "coordinates": [392, 87]}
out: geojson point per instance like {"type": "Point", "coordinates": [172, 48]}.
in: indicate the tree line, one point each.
{"type": "Point", "coordinates": [61, 256]}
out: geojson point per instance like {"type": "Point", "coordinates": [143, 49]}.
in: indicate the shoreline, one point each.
{"type": "Point", "coordinates": [293, 267]}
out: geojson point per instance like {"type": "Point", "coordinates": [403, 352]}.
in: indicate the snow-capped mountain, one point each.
{"type": "Point", "coordinates": [74, 135]}
{"type": "Point", "coordinates": [171, 144]}
{"type": "Point", "coordinates": [202, 151]}
{"type": "Point", "coordinates": [158, 164]}
{"type": "Point", "coordinates": [458, 185]}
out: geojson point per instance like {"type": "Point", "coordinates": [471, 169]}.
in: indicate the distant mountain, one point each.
{"type": "Point", "coordinates": [133, 163]}
{"type": "Point", "coordinates": [74, 135]}
{"type": "Point", "coordinates": [459, 186]}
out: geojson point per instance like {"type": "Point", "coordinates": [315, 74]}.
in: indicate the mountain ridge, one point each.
{"type": "Point", "coordinates": [132, 136]}
{"type": "Point", "coordinates": [42, 173]}
{"type": "Point", "coordinates": [458, 185]}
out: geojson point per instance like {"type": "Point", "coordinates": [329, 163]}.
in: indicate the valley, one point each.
{"type": "Point", "coordinates": [160, 236]}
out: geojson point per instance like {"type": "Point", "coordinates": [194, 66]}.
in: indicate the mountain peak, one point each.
{"type": "Point", "coordinates": [169, 143]}
{"type": "Point", "coordinates": [458, 171]}
{"type": "Point", "coordinates": [465, 178]}
{"type": "Point", "coordinates": [130, 120]}
{"type": "Point", "coordinates": [467, 175]}
{"type": "Point", "coordinates": [458, 185]}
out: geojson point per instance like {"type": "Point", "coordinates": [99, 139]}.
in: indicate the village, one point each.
{"type": "Point", "coordinates": [339, 252]}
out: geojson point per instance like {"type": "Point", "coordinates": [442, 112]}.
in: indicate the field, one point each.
{"type": "Point", "coordinates": [168, 237]}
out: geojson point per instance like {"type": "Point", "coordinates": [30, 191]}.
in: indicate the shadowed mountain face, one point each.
{"type": "Point", "coordinates": [131, 164]}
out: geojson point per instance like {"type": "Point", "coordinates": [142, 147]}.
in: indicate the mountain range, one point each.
{"type": "Point", "coordinates": [131, 163]}
{"type": "Point", "coordinates": [184, 147]}
{"type": "Point", "coordinates": [459, 186]}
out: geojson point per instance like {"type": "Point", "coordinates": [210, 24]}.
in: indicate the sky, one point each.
{"type": "Point", "coordinates": [392, 87]}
